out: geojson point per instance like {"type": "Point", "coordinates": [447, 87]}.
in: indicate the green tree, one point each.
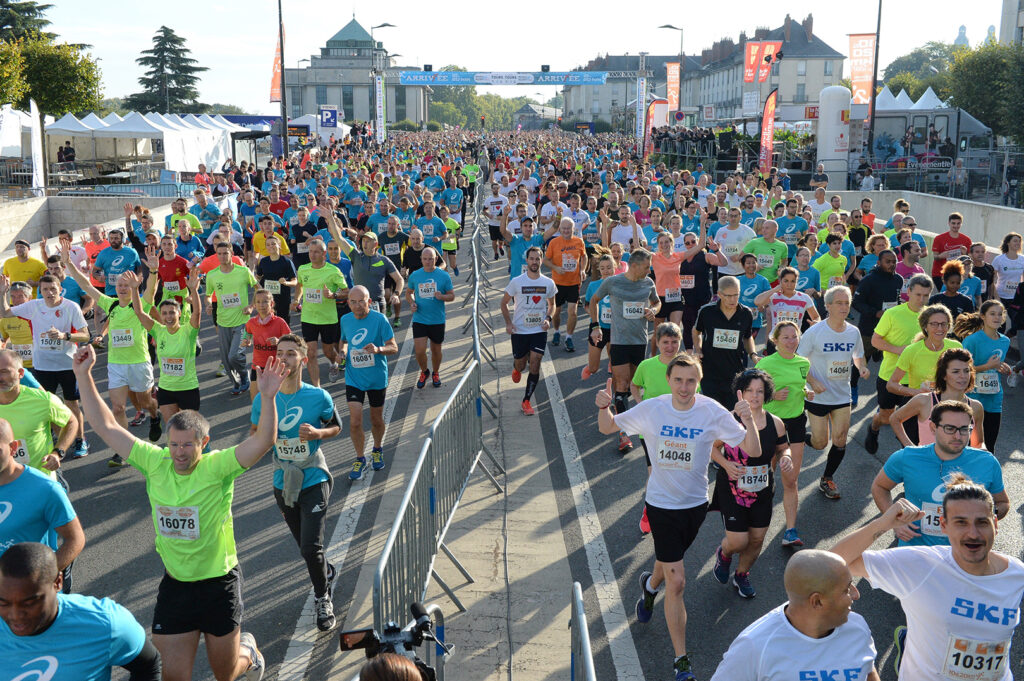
{"type": "Point", "coordinates": [61, 78]}
{"type": "Point", "coordinates": [216, 108]}
{"type": "Point", "coordinates": [1013, 103]}
{"type": "Point", "coordinates": [171, 76]}
{"type": "Point", "coordinates": [22, 19]}
{"type": "Point", "coordinates": [980, 83]}
{"type": "Point", "coordinates": [556, 102]}
{"type": "Point", "coordinates": [12, 73]}
{"type": "Point", "coordinates": [922, 62]}
{"type": "Point", "coordinates": [905, 81]}
{"type": "Point", "coordinates": [107, 106]}
{"type": "Point", "coordinates": [462, 97]}
{"type": "Point", "coordinates": [446, 113]}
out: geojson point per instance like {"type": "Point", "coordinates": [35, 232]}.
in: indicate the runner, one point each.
{"type": "Point", "coordinates": [745, 484]}
{"type": "Point", "coordinates": [783, 302]}
{"type": "Point", "coordinates": [684, 425]}
{"type": "Point", "coordinates": [320, 285]}
{"type": "Point", "coordinates": [954, 377]}
{"type": "Point", "coordinates": [534, 298]}
{"type": "Point", "coordinates": [427, 290]}
{"type": "Point", "coordinates": [370, 269]}
{"type": "Point", "coordinates": [606, 269]}
{"type": "Point", "coordinates": [951, 244]}
{"type": "Point", "coordinates": [634, 302]}
{"type": "Point", "coordinates": [962, 601]}
{"type": "Point", "coordinates": [566, 256]}
{"type": "Point", "coordinates": [57, 325]}
{"type": "Point", "coordinates": [302, 481]}
{"type": "Point", "coordinates": [17, 332]}
{"type": "Point", "coordinates": [201, 590]}
{"type": "Point", "coordinates": [450, 241]}
{"type": "Point", "coordinates": [370, 341]}
{"type": "Point", "coordinates": [277, 275]}
{"type": "Point", "coordinates": [262, 332]}
{"type": "Point", "coordinates": [232, 284]}
{"type": "Point", "coordinates": [695, 278]}
{"type": "Point", "coordinates": [811, 636]}
{"type": "Point", "coordinates": [722, 341]}
{"type": "Point", "coordinates": [495, 205]}
{"type": "Point", "coordinates": [980, 335]}
{"type": "Point", "coordinates": [771, 253]}
{"type": "Point", "coordinates": [24, 268]}
{"type": "Point", "coordinates": [831, 347]}
{"type": "Point", "coordinates": [115, 260]}
{"type": "Point", "coordinates": [44, 630]}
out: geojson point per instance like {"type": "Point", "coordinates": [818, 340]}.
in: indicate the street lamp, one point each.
{"type": "Point", "coordinates": [375, 73]}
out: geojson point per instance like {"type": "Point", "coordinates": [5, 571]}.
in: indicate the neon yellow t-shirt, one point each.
{"type": "Point", "coordinates": [30, 416]}
{"type": "Point", "coordinates": [176, 356]}
{"type": "Point", "coordinates": [316, 308]}
{"type": "Point", "coordinates": [918, 361]}
{"type": "Point", "coordinates": [128, 340]}
{"type": "Point", "coordinates": [232, 289]}
{"type": "Point", "coordinates": [832, 270]}
{"type": "Point", "coordinates": [897, 325]}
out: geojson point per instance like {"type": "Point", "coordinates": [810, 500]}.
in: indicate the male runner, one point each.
{"type": "Point", "coordinates": [233, 285]}
{"type": "Point", "coordinates": [320, 284]}
{"type": "Point", "coordinates": [427, 290]}
{"type": "Point", "coordinates": [566, 256]}
{"type": "Point", "coordinates": [534, 298]}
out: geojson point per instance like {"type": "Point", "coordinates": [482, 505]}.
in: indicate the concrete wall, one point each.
{"type": "Point", "coordinates": [23, 219]}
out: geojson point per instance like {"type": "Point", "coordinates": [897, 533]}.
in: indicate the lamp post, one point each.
{"type": "Point", "coordinates": [284, 92]}
{"type": "Point", "coordinates": [377, 75]}
{"type": "Point", "coordinates": [874, 85]}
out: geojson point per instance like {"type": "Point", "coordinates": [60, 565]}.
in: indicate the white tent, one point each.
{"type": "Point", "coordinates": [929, 100]}
{"type": "Point", "coordinates": [69, 125]}
{"type": "Point", "coordinates": [885, 99]}
{"type": "Point", "coordinates": [313, 122]}
{"type": "Point", "coordinates": [230, 126]}
{"type": "Point", "coordinates": [184, 148]}
{"type": "Point", "coordinates": [903, 100]}
{"type": "Point", "coordinates": [70, 129]}
{"type": "Point", "coordinates": [94, 121]}
{"type": "Point", "coordinates": [197, 122]}
{"type": "Point", "coordinates": [112, 118]}
{"type": "Point", "coordinates": [10, 132]}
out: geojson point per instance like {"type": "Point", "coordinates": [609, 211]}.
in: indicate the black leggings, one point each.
{"type": "Point", "coordinates": [307, 526]}
{"type": "Point", "coordinates": [992, 421]}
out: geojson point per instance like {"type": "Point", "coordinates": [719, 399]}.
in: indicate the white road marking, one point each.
{"type": "Point", "coordinates": [606, 586]}
{"type": "Point", "coordinates": [300, 646]}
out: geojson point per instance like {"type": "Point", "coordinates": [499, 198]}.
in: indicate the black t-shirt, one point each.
{"type": "Point", "coordinates": [819, 177]}
{"type": "Point", "coordinates": [700, 292]}
{"type": "Point", "coordinates": [722, 344]}
{"type": "Point", "coordinates": [267, 268]}
{"type": "Point", "coordinates": [411, 260]}
{"type": "Point", "coordinates": [986, 273]}
{"type": "Point", "coordinates": [391, 246]}
{"type": "Point", "coordinates": [955, 304]}
{"type": "Point", "coordinates": [299, 234]}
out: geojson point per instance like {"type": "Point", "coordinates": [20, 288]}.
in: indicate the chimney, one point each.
{"type": "Point", "coordinates": [761, 32]}
{"type": "Point", "coordinates": [809, 27]}
{"type": "Point", "coordinates": [787, 28]}
{"type": "Point", "coordinates": [743, 37]}
{"type": "Point", "coordinates": [705, 57]}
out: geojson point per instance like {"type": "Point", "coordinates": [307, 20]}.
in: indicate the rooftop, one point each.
{"type": "Point", "coordinates": [353, 33]}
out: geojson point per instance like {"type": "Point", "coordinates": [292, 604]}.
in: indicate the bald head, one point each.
{"type": "Point", "coordinates": [812, 571]}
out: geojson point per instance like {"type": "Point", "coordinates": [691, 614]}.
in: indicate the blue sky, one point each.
{"type": "Point", "coordinates": [236, 40]}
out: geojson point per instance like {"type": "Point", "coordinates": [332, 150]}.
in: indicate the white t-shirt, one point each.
{"type": "Point", "coordinates": [623, 233]}
{"type": "Point", "coordinates": [580, 220]}
{"type": "Point", "coordinates": [732, 242]}
{"type": "Point", "coordinates": [772, 649]}
{"type": "Point", "coordinates": [530, 297]}
{"type": "Point", "coordinates": [548, 210]}
{"type": "Point", "coordinates": [514, 228]}
{"type": "Point", "coordinates": [818, 208]}
{"type": "Point", "coordinates": [959, 626]}
{"type": "Point", "coordinates": [66, 317]}
{"type": "Point", "coordinates": [1009, 273]}
{"type": "Point", "coordinates": [494, 205]}
{"type": "Point", "coordinates": [782, 308]}
{"type": "Point", "coordinates": [831, 354]}
{"type": "Point", "coordinates": [681, 447]}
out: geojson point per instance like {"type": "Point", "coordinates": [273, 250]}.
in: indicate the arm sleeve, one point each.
{"type": "Point", "coordinates": [893, 467]}
{"type": "Point", "coordinates": [996, 486]}
{"type": "Point", "coordinates": [146, 665]}
{"type": "Point", "coordinates": [60, 512]}
{"type": "Point", "coordinates": [59, 413]}
{"type": "Point", "coordinates": [727, 429]}
{"type": "Point", "coordinates": [127, 637]}
{"type": "Point", "coordinates": [633, 420]}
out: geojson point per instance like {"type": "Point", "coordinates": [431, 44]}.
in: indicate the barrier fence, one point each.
{"type": "Point", "coordinates": [581, 659]}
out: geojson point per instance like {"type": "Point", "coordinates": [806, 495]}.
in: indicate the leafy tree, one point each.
{"type": "Point", "coordinates": [462, 97]}
{"type": "Point", "coordinates": [61, 78]}
{"type": "Point", "coordinates": [908, 82]}
{"type": "Point", "coordinates": [1013, 104]}
{"type": "Point", "coordinates": [22, 19]}
{"type": "Point", "coordinates": [12, 73]}
{"type": "Point", "coordinates": [556, 102]}
{"type": "Point", "coordinates": [171, 76]}
{"type": "Point", "coordinates": [446, 113]}
{"type": "Point", "coordinates": [980, 82]}
{"type": "Point", "coordinates": [216, 108]}
{"type": "Point", "coordinates": [109, 105]}
{"type": "Point", "coordinates": [922, 62]}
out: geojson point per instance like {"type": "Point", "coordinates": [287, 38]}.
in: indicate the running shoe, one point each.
{"type": "Point", "coordinates": [625, 444]}
{"type": "Point", "coordinates": [456, 270]}
{"type": "Point", "coordinates": [325, 613]}
{"type": "Point", "coordinates": [791, 538]}
{"type": "Point", "coordinates": [333, 372]}
{"type": "Point", "coordinates": [422, 380]}
{"type": "Point", "coordinates": [854, 395]}
{"type": "Point", "coordinates": [256, 664]}
{"type": "Point", "coordinates": [495, 256]}
{"type": "Point", "coordinates": [528, 408]}
{"type": "Point", "coordinates": [220, 371]}
{"type": "Point", "coordinates": [116, 461]}
{"type": "Point", "coordinates": [556, 339]}
{"type": "Point", "coordinates": [503, 251]}
{"type": "Point", "coordinates": [235, 392]}
{"type": "Point", "coordinates": [828, 487]}
{"type": "Point", "coordinates": [388, 310]}
{"type": "Point", "coordinates": [686, 675]}
{"type": "Point", "coordinates": [722, 565]}
{"type": "Point", "coordinates": [341, 362]}
{"type": "Point", "coordinates": [741, 580]}
{"type": "Point", "coordinates": [79, 449]}
{"type": "Point", "coordinates": [871, 440]}
{"type": "Point", "coordinates": [396, 323]}
{"type": "Point", "coordinates": [357, 469]}
{"type": "Point", "coordinates": [377, 457]}
{"type": "Point", "coordinates": [899, 637]}
{"type": "Point", "coordinates": [683, 669]}
{"type": "Point", "coordinates": [516, 375]}
{"type": "Point", "coordinates": [156, 428]}
{"type": "Point", "coordinates": [435, 380]}
{"type": "Point", "coordinates": [586, 373]}
{"type": "Point", "coordinates": [645, 524]}
{"type": "Point", "coordinates": [140, 418]}
{"type": "Point", "coordinates": [569, 347]}
{"type": "Point", "coordinates": [645, 604]}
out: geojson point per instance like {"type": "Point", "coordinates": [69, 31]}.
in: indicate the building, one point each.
{"type": "Point", "coordinates": [342, 75]}
{"type": "Point", "coordinates": [535, 116]}
{"type": "Point", "coordinates": [807, 66]}
{"type": "Point", "coordinates": [1011, 22]}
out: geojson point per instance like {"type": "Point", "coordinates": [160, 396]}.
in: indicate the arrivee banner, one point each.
{"type": "Point", "coordinates": [767, 132]}
{"type": "Point", "coordinates": [751, 58]}
{"type": "Point", "coordinates": [862, 66]}
{"type": "Point", "coordinates": [768, 49]}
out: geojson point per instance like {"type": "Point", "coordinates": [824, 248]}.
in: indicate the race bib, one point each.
{"type": "Point", "coordinates": [904, 288]}
{"type": "Point", "coordinates": [428, 230]}
{"type": "Point", "coordinates": [984, 287]}
{"type": "Point", "coordinates": [753, 479]}
{"type": "Point", "coordinates": [272, 286]}
{"type": "Point", "coordinates": [673, 295]}
{"type": "Point", "coordinates": [392, 248]}
{"type": "Point", "coordinates": [21, 453]}
{"type": "Point", "coordinates": [633, 310]}
{"type": "Point", "coordinates": [55, 344]}
{"type": "Point", "coordinates": [835, 281]}
{"type": "Point", "coordinates": [930, 523]}
{"type": "Point", "coordinates": [790, 239]}
{"type": "Point", "coordinates": [362, 360]}
{"type": "Point", "coordinates": [24, 351]}
{"type": "Point", "coordinates": [314, 295]}
{"type": "Point", "coordinates": [987, 383]}
{"type": "Point", "coordinates": [839, 370]}
{"type": "Point", "coordinates": [230, 300]}
{"type": "Point", "coordinates": [606, 314]}
{"type": "Point", "coordinates": [172, 366]}
{"type": "Point", "coordinates": [291, 449]}
{"type": "Point", "coordinates": [112, 279]}
{"type": "Point", "coordinates": [970, 659]}
{"type": "Point", "coordinates": [523, 269]}
{"type": "Point", "coordinates": [178, 522]}
{"type": "Point", "coordinates": [591, 238]}
{"type": "Point", "coordinates": [687, 281]}
{"type": "Point", "coordinates": [730, 249]}
{"type": "Point", "coordinates": [427, 289]}
{"type": "Point", "coordinates": [674, 454]}
{"type": "Point", "coordinates": [569, 262]}
{"type": "Point", "coordinates": [532, 319]}
{"type": "Point", "coordinates": [725, 339]}
{"type": "Point", "coordinates": [302, 247]}
{"type": "Point", "coordinates": [172, 286]}
{"type": "Point", "coordinates": [122, 338]}
{"type": "Point", "coordinates": [765, 260]}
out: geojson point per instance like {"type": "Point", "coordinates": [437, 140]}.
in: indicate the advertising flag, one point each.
{"type": "Point", "coordinates": [767, 132]}
{"type": "Point", "coordinates": [768, 49]}
{"type": "Point", "coordinates": [862, 66]}
{"type": "Point", "coordinates": [751, 58]}
{"type": "Point", "coordinates": [275, 76]}
{"type": "Point", "coordinates": [672, 85]}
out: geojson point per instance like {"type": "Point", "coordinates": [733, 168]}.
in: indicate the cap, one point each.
{"type": "Point", "coordinates": [22, 241]}
{"type": "Point", "coordinates": [700, 165]}
{"type": "Point", "coordinates": [783, 171]}
{"type": "Point", "coordinates": [368, 234]}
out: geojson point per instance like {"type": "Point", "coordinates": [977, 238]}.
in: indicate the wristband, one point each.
{"type": "Point", "coordinates": [547, 318]}
{"type": "Point", "coordinates": [593, 325]}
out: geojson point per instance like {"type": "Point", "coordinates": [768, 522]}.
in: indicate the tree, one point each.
{"type": "Point", "coordinates": [446, 113]}
{"type": "Point", "coordinates": [980, 80]}
{"type": "Point", "coordinates": [905, 81]}
{"type": "Point", "coordinates": [61, 78]}
{"type": "Point", "coordinates": [22, 19]}
{"type": "Point", "coordinates": [1013, 104]}
{"type": "Point", "coordinates": [215, 108]}
{"type": "Point", "coordinates": [12, 73]}
{"type": "Point", "coordinates": [556, 102]}
{"type": "Point", "coordinates": [170, 81]}
{"type": "Point", "coordinates": [107, 106]}
{"type": "Point", "coordinates": [922, 62]}
{"type": "Point", "coordinates": [462, 97]}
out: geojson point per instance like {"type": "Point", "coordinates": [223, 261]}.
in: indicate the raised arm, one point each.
{"type": "Point", "coordinates": [83, 281]}
{"type": "Point", "coordinates": [259, 443]}
{"type": "Point", "coordinates": [145, 319]}
{"type": "Point", "coordinates": [193, 298]}
{"type": "Point", "coordinates": [95, 410]}
{"type": "Point", "coordinates": [851, 548]}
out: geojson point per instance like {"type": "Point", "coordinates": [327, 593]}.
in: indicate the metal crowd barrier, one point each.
{"type": "Point", "coordinates": [581, 659]}
{"type": "Point", "coordinates": [176, 190]}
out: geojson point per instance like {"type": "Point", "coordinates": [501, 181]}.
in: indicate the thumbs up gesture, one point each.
{"type": "Point", "coordinates": [604, 396]}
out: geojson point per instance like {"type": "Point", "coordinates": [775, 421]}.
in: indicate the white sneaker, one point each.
{"type": "Point", "coordinates": [256, 664]}
{"type": "Point", "coordinates": [1012, 379]}
{"type": "Point", "coordinates": [325, 613]}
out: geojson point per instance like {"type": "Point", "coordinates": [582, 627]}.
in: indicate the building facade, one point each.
{"type": "Point", "coordinates": [342, 75]}
{"type": "Point", "coordinates": [614, 101]}
{"type": "Point", "coordinates": [1011, 22]}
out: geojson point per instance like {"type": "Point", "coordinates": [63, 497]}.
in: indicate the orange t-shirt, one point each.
{"type": "Point", "coordinates": [92, 250]}
{"type": "Point", "coordinates": [666, 276]}
{"type": "Point", "coordinates": [567, 254]}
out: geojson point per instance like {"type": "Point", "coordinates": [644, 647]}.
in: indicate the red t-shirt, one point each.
{"type": "Point", "coordinates": [174, 270]}
{"type": "Point", "coordinates": [202, 178]}
{"type": "Point", "coordinates": [947, 242]}
{"type": "Point", "coordinates": [279, 208]}
{"type": "Point", "coordinates": [275, 327]}
{"type": "Point", "coordinates": [869, 220]}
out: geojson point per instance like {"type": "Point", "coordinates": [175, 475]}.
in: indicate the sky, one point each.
{"type": "Point", "coordinates": [236, 41]}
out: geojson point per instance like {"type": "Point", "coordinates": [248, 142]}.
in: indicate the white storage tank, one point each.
{"type": "Point", "coordinates": [834, 134]}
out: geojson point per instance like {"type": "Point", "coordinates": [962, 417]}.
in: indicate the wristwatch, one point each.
{"type": "Point", "coordinates": [59, 452]}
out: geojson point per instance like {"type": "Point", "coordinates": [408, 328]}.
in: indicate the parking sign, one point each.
{"type": "Point", "coordinates": [328, 116]}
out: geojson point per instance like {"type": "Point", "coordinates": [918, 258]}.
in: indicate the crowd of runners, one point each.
{"type": "Point", "coordinates": [730, 324]}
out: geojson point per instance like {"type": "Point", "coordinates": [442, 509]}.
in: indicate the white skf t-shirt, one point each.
{"type": "Point", "coordinates": [831, 354]}
{"type": "Point", "coordinates": [771, 649]}
{"type": "Point", "coordinates": [680, 446]}
{"type": "Point", "coordinates": [959, 626]}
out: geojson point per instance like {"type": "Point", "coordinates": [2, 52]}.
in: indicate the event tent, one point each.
{"type": "Point", "coordinates": [929, 100]}
{"type": "Point", "coordinates": [903, 100]}
{"type": "Point", "coordinates": [184, 146]}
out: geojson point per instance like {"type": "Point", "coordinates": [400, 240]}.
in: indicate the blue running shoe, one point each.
{"type": "Point", "coordinates": [741, 580]}
{"type": "Point", "coordinates": [722, 565]}
{"type": "Point", "coordinates": [645, 604]}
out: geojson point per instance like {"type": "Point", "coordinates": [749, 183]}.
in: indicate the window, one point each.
{"type": "Point", "coordinates": [801, 67]}
{"type": "Point", "coordinates": [321, 94]}
{"type": "Point", "coordinates": [400, 102]}
{"type": "Point", "coordinates": [801, 93]}
{"type": "Point", "coordinates": [828, 67]}
{"type": "Point", "coordinates": [347, 103]}
{"type": "Point", "coordinates": [295, 100]}
{"type": "Point", "coordinates": [296, 109]}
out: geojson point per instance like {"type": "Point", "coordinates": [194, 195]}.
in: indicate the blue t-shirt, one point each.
{"type": "Point", "coordinates": [982, 348]}
{"type": "Point", "coordinates": [452, 197]}
{"type": "Point", "coordinates": [604, 306]}
{"type": "Point", "coordinates": [433, 230]}
{"type": "Point", "coordinates": [377, 223]}
{"type": "Point", "coordinates": [70, 290]}
{"type": "Point", "coordinates": [867, 263]}
{"type": "Point", "coordinates": [591, 233]}
{"type": "Point", "coordinates": [748, 218]}
{"type": "Point", "coordinates": [291, 216]}
{"type": "Point", "coordinates": [922, 473]}
{"type": "Point", "coordinates": [971, 287]}
{"type": "Point", "coordinates": [355, 209]}
{"type": "Point", "coordinates": [208, 214]}
{"type": "Point", "coordinates": [362, 370]}
{"type": "Point", "coordinates": [88, 637]}
{"type": "Point", "coordinates": [188, 249]}
{"type": "Point", "coordinates": [308, 404]}
{"type": "Point", "coordinates": [714, 227]}
{"type": "Point", "coordinates": [345, 266]}
{"type": "Point", "coordinates": [114, 263]}
{"type": "Point", "coordinates": [517, 250]}
{"type": "Point", "coordinates": [808, 279]}
{"type": "Point", "coordinates": [429, 310]}
{"type": "Point", "coordinates": [895, 244]}
{"type": "Point", "coordinates": [29, 381]}
{"type": "Point", "coordinates": [435, 183]}
{"type": "Point", "coordinates": [690, 225]}
{"type": "Point", "coordinates": [407, 217]}
{"type": "Point", "coordinates": [33, 507]}
{"type": "Point", "coordinates": [750, 289]}
{"type": "Point", "coordinates": [790, 230]}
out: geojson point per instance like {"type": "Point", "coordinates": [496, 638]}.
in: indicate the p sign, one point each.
{"type": "Point", "coordinates": [328, 116]}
